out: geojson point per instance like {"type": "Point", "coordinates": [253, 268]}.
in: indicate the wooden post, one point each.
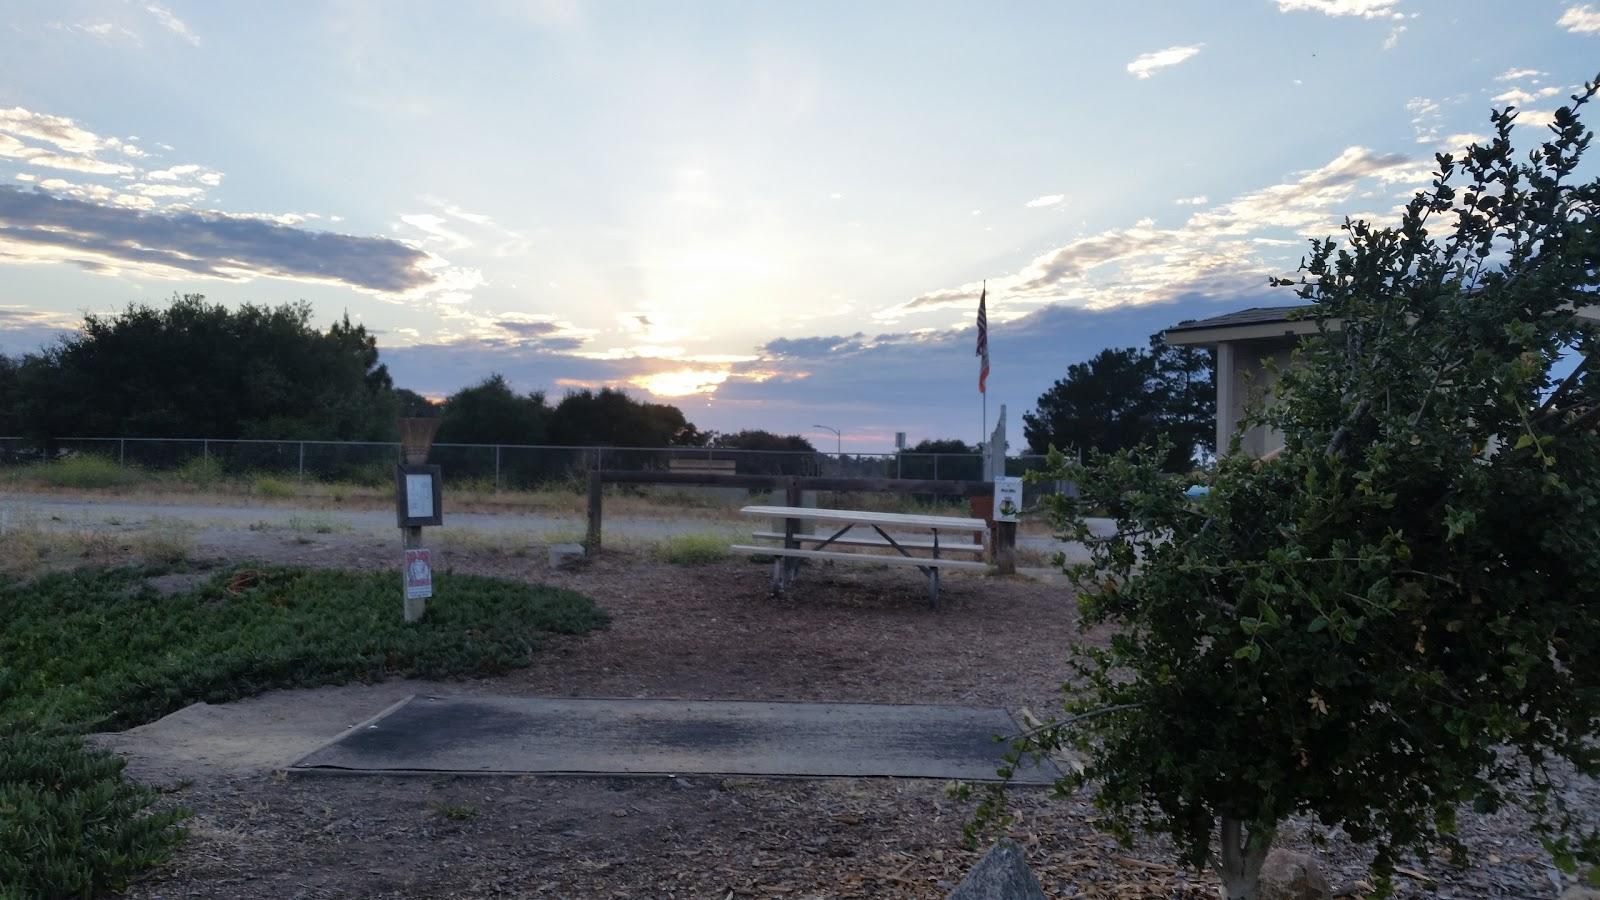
{"type": "Point", "coordinates": [411, 539]}
{"type": "Point", "coordinates": [791, 527]}
{"type": "Point", "coordinates": [1005, 548]}
{"type": "Point", "coordinates": [592, 540]}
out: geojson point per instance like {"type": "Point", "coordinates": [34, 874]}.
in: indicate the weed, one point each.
{"type": "Point", "coordinates": [164, 542]}
{"type": "Point", "coordinates": [693, 549]}
{"type": "Point", "coordinates": [201, 471]}
{"type": "Point", "coordinates": [317, 523]}
{"type": "Point", "coordinates": [456, 812]}
{"type": "Point", "coordinates": [101, 649]}
{"type": "Point", "coordinates": [271, 487]}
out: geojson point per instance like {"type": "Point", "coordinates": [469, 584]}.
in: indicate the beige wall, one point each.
{"type": "Point", "coordinates": [1244, 375]}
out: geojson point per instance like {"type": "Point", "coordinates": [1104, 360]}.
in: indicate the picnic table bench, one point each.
{"type": "Point", "coordinates": [792, 552]}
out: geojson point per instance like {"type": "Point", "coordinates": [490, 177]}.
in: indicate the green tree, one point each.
{"type": "Point", "coordinates": [947, 459]}
{"type": "Point", "coordinates": [198, 369]}
{"type": "Point", "coordinates": [1399, 615]}
{"type": "Point", "coordinates": [610, 418]}
{"type": "Point", "coordinates": [1123, 397]}
{"type": "Point", "coordinates": [756, 439]}
{"type": "Point", "coordinates": [490, 412]}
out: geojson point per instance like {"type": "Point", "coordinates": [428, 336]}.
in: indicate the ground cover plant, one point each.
{"type": "Point", "coordinates": [102, 650]}
{"type": "Point", "coordinates": [1397, 616]}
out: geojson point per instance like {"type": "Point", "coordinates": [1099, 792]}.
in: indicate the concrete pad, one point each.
{"type": "Point", "coordinates": [520, 735]}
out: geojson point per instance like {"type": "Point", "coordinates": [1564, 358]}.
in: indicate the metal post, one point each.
{"type": "Point", "coordinates": [302, 460]}
{"type": "Point", "coordinates": [122, 451]}
{"type": "Point", "coordinates": [497, 467]}
{"type": "Point", "coordinates": [205, 449]}
{"type": "Point", "coordinates": [592, 539]}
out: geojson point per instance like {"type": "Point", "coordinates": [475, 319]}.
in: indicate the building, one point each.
{"type": "Point", "coordinates": [1250, 344]}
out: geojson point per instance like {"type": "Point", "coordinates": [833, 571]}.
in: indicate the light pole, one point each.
{"type": "Point", "coordinates": [838, 436]}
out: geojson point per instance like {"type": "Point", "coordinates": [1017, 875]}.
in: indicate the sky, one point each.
{"type": "Point", "coordinates": [774, 215]}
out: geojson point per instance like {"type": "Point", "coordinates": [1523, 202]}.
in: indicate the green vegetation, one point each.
{"type": "Point", "coordinates": [84, 471]}
{"type": "Point", "coordinates": [201, 471]}
{"type": "Point", "coordinates": [1396, 618]}
{"type": "Point", "coordinates": [693, 549]}
{"type": "Point", "coordinates": [456, 812]}
{"type": "Point", "coordinates": [272, 487]}
{"type": "Point", "coordinates": [99, 649]}
{"type": "Point", "coordinates": [1123, 397]}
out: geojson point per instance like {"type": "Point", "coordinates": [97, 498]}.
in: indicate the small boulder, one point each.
{"type": "Point", "coordinates": [1579, 892]}
{"type": "Point", "coordinates": [566, 556]}
{"type": "Point", "coordinates": [1287, 875]}
{"type": "Point", "coordinates": [1002, 874]}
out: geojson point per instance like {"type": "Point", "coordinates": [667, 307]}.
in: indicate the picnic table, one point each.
{"type": "Point", "coordinates": [842, 522]}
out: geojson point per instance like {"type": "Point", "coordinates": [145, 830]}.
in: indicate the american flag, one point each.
{"type": "Point", "coordinates": [983, 339]}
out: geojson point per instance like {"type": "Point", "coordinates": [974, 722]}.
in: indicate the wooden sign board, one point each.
{"type": "Point", "coordinates": [417, 494]}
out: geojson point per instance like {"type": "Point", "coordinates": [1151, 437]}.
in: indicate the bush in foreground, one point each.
{"type": "Point", "coordinates": [95, 650]}
{"type": "Point", "coordinates": [1398, 616]}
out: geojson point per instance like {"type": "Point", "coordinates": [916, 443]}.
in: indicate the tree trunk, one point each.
{"type": "Point", "coordinates": [1239, 864]}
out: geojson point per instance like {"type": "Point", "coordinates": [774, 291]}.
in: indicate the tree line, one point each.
{"type": "Point", "coordinates": [193, 368]}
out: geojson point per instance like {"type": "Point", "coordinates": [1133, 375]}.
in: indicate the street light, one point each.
{"type": "Point", "coordinates": [837, 435]}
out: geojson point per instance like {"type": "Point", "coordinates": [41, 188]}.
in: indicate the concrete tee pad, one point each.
{"type": "Point", "coordinates": [520, 735]}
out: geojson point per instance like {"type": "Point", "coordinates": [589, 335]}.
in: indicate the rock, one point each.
{"type": "Point", "coordinates": [1002, 874]}
{"type": "Point", "coordinates": [566, 556]}
{"type": "Point", "coordinates": [1579, 892]}
{"type": "Point", "coordinates": [1287, 875]}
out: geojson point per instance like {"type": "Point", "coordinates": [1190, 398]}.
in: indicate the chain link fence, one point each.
{"type": "Point", "coordinates": [485, 466]}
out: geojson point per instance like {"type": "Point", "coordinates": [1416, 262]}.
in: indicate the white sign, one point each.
{"type": "Point", "coordinates": [419, 575]}
{"type": "Point", "coordinates": [1007, 499]}
{"type": "Point", "coordinates": [419, 496]}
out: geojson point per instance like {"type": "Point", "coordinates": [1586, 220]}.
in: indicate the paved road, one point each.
{"type": "Point", "coordinates": [51, 511]}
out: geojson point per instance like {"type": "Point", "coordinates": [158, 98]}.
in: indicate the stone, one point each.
{"type": "Point", "coordinates": [1288, 875]}
{"type": "Point", "coordinates": [1579, 892]}
{"type": "Point", "coordinates": [566, 556]}
{"type": "Point", "coordinates": [1002, 874]}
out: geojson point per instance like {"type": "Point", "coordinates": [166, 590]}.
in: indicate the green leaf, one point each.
{"type": "Point", "coordinates": [1317, 624]}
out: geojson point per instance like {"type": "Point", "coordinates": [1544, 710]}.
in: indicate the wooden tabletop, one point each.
{"type": "Point", "coordinates": [866, 517]}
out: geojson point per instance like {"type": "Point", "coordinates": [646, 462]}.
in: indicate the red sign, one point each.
{"type": "Point", "coordinates": [418, 575]}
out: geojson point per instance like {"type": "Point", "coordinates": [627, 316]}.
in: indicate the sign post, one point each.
{"type": "Point", "coordinates": [417, 490]}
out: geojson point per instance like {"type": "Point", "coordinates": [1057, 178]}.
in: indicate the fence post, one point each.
{"type": "Point", "coordinates": [302, 460]}
{"type": "Point", "coordinates": [592, 539]}
{"type": "Point", "coordinates": [205, 449]}
{"type": "Point", "coordinates": [497, 467]}
{"type": "Point", "coordinates": [122, 451]}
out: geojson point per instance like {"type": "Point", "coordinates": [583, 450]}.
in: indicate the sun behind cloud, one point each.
{"type": "Point", "coordinates": [681, 382]}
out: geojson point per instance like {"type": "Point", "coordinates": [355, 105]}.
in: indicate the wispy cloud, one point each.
{"type": "Point", "coordinates": [172, 23]}
{"type": "Point", "coordinates": [1515, 74]}
{"type": "Point", "coordinates": [1046, 200]}
{"type": "Point", "coordinates": [1393, 40]}
{"type": "Point", "coordinates": [1214, 254]}
{"type": "Point", "coordinates": [1366, 9]}
{"type": "Point", "coordinates": [1197, 200]}
{"type": "Point", "coordinates": [1583, 19]}
{"type": "Point", "coordinates": [1148, 64]}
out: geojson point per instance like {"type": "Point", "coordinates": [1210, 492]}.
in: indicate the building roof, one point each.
{"type": "Point", "coordinates": [1258, 323]}
{"type": "Point", "coordinates": [1255, 315]}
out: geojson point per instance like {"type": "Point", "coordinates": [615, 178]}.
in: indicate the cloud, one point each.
{"type": "Point", "coordinates": [1366, 9]}
{"type": "Point", "coordinates": [1583, 19]}
{"type": "Point", "coordinates": [1046, 200]}
{"type": "Point", "coordinates": [1515, 74]}
{"type": "Point", "coordinates": [1214, 254]}
{"type": "Point", "coordinates": [1197, 200]}
{"type": "Point", "coordinates": [1393, 40]}
{"type": "Point", "coordinates": [1148, 64]}
{"type": "Point", "coordinates": [40, 227]}
{"type": "Point", "coordinates": [1425, 116]}
{"type": "Point", "coordinates": [172, 23]}
{"type": "Point", "coordinates": [57, 130]}
{"type": "Point", "coordinates": [1535, 117]}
